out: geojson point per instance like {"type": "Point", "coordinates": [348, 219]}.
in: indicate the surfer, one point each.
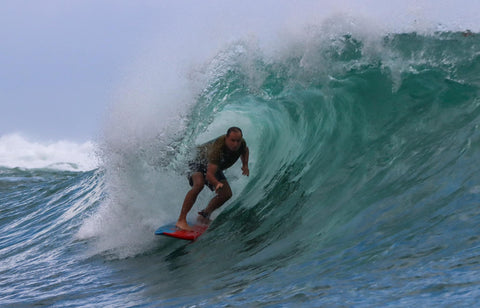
{"type": "Point", "coordinates": [207, 169]}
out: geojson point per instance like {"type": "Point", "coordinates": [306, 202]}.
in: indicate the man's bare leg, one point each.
{"type": "Point", "coordinates": [190, 198]}
{"type": "Point", "coordinates": [222, 196]}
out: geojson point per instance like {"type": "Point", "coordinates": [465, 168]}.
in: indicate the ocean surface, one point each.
{"type": "Point", "coordinates": [364, 186]}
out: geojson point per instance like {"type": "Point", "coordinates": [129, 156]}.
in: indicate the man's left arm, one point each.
{"type": "Point", "coordinates": [244, 158]}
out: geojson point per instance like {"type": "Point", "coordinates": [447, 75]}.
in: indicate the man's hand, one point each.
{"type": "Point", "coordinates": [218, 187]}
{"type": "Point", "coordinates": [245, 170]}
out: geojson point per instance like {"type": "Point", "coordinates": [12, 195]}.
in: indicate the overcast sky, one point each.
{"type": "Point", "coordinates": [62, 62]}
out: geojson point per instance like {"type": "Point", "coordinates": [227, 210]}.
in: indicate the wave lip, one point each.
{"type": "Point", "coordinates": [16, 151]}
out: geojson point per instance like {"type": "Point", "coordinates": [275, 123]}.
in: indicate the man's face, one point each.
{"type": "Point", "coordinates": [233, 141]}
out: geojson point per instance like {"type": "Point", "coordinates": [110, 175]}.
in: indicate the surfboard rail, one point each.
{"type": "Point", "coordinates": [172, 231]}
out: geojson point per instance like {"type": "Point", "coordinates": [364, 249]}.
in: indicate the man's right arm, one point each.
{"type": "Point", "coordinates": [211, 170]}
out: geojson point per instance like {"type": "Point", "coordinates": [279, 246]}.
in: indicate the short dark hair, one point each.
{"type": "Point", "coordinates": [234, 129]}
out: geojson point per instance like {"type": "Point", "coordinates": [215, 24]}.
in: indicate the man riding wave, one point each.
{"type": "Point", "coordinates": [207, 169]}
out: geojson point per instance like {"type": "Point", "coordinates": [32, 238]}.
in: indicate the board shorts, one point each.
{"type": "Point", "coordinates": [202, 168]}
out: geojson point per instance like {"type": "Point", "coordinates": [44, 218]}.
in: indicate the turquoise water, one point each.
{"type": "Point", "coordinates": [364, 189]}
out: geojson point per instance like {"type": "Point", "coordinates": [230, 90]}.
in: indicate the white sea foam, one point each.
{"type": "Point", "coordinates": [17, 151]}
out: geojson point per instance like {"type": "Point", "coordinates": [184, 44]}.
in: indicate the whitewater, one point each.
{"type": "Point", "coordinates": [364, 186]}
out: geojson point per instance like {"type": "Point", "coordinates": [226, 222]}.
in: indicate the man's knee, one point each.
{"type": "Point", "coordinates": [198, 182]}
{"type": "Point", "coordinates": [198, 187]}
{"type": "Point", "coordinates": [226, 193]}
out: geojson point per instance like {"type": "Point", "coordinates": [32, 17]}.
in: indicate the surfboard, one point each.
{"type": "Point", "coordinates": [172, 231]}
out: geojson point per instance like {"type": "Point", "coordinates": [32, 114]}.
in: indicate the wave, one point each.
{"type": "Point", "coordinates": [16, 151]}
{"type": "Point", "coordinates": [346, 131]}
{"type": "Point", "coordinates": [349, 136]}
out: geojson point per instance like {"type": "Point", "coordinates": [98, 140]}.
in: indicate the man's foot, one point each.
{"type": "Point", "coordinates": [183, 225]}
{"type": "Point", "coordinates": [203, 218]}
{"type": "Point", "coordinates": [203, 221]}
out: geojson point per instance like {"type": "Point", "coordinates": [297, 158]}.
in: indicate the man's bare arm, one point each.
{"type": "Point", "coordinates": [211, 170]}
{"type": "Point", "coordinates": [244, 159]}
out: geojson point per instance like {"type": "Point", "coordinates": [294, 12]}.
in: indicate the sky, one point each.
{"type": "Point", "coordinates": [63, 64]}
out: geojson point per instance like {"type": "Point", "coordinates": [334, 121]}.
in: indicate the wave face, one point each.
{"type": "Point", "coordinates": [364, 186]}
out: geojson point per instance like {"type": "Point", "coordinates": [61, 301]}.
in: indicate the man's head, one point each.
{"type": "Point", "coordinates": [233, 139]}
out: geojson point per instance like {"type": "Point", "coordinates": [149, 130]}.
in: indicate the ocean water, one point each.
{"type": "Point", "coordinates": [364, 188]}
